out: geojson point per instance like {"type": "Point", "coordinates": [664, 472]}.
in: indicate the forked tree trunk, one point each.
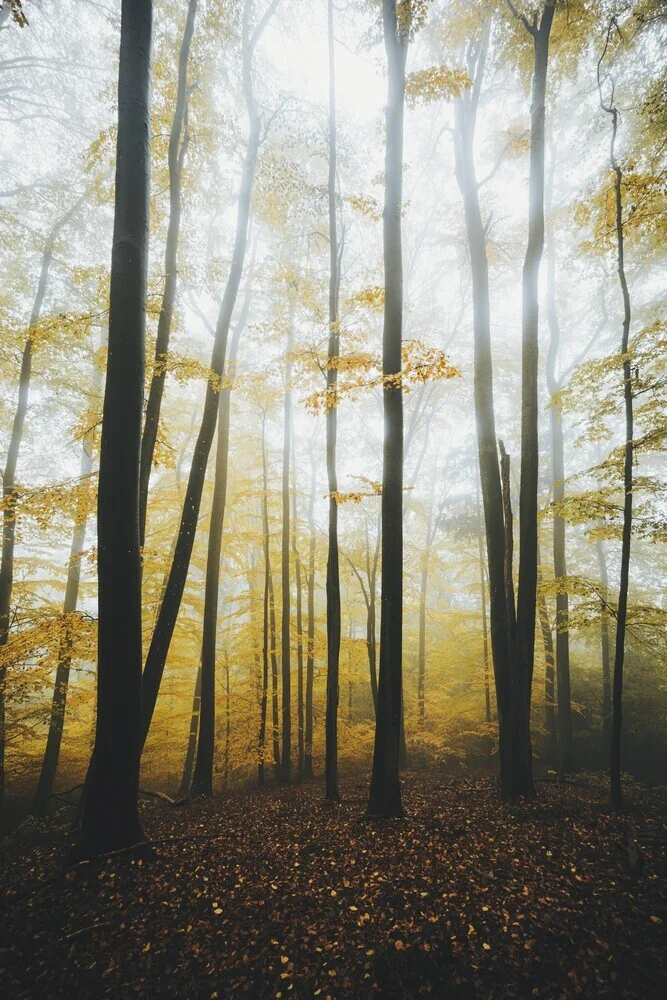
{"type": "Point", "coordinates": [331, 790]}
{"type": "Point", "coordinates": [385, 791]}
{"type": "Point", "coordinates": [176, 156]}
{"type": "Point", "coordinates": [109, 809]}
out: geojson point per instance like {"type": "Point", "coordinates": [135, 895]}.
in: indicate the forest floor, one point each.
{"type": "Point", "coordinates": [270, 893]}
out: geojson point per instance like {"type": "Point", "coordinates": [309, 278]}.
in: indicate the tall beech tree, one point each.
{"type": "Point", "coordinates": [465, 116]}
{"type": "Point", "coordinates": [168, 613]}
{"type": "Point", "coordinates": [385, 790]}
{"type": "Point", "coordinates": [202, 781]}
{"type": "Point", "coordinates": [310, 601]}
{"type": "Point", "coordinates": [47, 773]}
{"type": "Point", "coordinates": [539, 28]}
{"type": "Point", "coordinates": [554, 385]}
{"type": "Point", "coordinates": [178, 144]}
{"type": "Point", "coordinates": [610, 108]}
{"type": "Point", "coordinates": [285, 620]}
{"type": "Point", "coordinates": [10, 493]}
{"type": "Point", "coordinates": [331, 791]}
{"type": "Point", "coordinates": [109, 815]}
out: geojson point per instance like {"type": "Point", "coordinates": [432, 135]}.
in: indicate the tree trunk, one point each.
{"type": "Point", "coordinates": [331, 790]}
{"type": "Point", "coordinates": [285, 657]}
{"type": "Point", "coordinates": [109, 814]}
{"type": "Point", "coordinates": [485, 630]}
{"type": "Point", "coordinates": [176, 157]}
{"type": "Point", "coordinates": [492, 499]}
{"type": "Point", "coordinates": [202, 782]}
{"type": "Point", "coordinates": [59, 702]}
{"type": "Point", "coordinates": [228, 728]}
{"type": "Point", "coordinates": [299, 617]}
{"type": "Point", "coordinates": [9, 488]}
{"type": "Point", "coordinates": [385, 791]}
{"type": "Point", "coordinates": [527, 590]}
{"type": "Point", "coordinates": [605, 645]}
{"type": "Point", "coordinates": [186, 780]}
{"type": "Point", "coordinates": [310, 655]}
{"type": "Point", "coordinates": [166, 621]}
{"type": "Point", "coordinates": [566, 753]}
{"type": "Point", "coordinates": [549, 672]}
{"type": "Point", "coordinates": [622, 610]}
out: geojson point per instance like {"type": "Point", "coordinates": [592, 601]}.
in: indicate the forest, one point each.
{"type": "Point", "coordinates": [333, 435]}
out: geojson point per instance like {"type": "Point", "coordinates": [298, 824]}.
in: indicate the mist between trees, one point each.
{"type": "Point", "coordinates": [350, 454]}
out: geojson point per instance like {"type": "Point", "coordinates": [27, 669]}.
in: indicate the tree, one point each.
{"type": "Point", "coordinates": [610, 108]}
{"type": "Point", "coordinates": [385, 791]}
{"type": "Point", "coordinates": [331, 790]}
{"type": "Point", "coordinates": [539, 28]}
{"type": "Point", "coordinates": [166, 620]}
{"type": "Point", "coordinates": [109, 814]}
{"type": "Point", "coordinates": [178, 144]}
{"type": "Point", "coordinates": [285, 661]}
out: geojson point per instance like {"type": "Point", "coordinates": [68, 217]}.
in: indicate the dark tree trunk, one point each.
{"type": "Point", "coordinates": [176, 156]}
{"type": "Point", "coordinates": [109, 814]}
{"type": "Point", "coordinates": [310, 654]}
{"type": "Point", "coordinates": [331, 790]}
{"type": "Point", "coordinates": [202, 782]}
{"type": "Point", "coordinates": [487, 449]}
{"type": "Point", "coordinates": [166, 621]}
{"type": "Point", "coordinates": [605, 645]}
{"type": "Point", "coordinates": [565, 748]}
{"type": "Point", "coordinates": [622, 609]}
{"type": "Point", "coordinates": [59, 702]}
{"type": "Point", "coordinates": [9, 488]}
{"type": "Point", "coordinates": [186, 780]}
{"type": "Point", "coordinates": [285, 657]}
{"type": "Point", "coordinates": [385, 791]}
{"type": "Point", "coordinates": [299, 617]}
{"type": "Point", "coordinates": [527, 591]}
{"type": "Point", "coordinates": [485, 628]}
{"type": "Point", "coordinates": [261, 767]}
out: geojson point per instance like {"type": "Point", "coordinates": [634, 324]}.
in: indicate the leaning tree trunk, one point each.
{"type": "Point", "coordinates": [385, 791]}
{"type": "Point", "coordinates": [565, 747]}
{"type": "Point", "coordinates": [487, 449]}
{"type": "Point", "coordinates": [59, 702]}
{"type": "Point", "coordinates": [331, 790]}
{"type": "Point", "coordinates": [176, 157]}
{"type": "Point", "coordinates": [522, 776]}
{"type": "Point", "coordinates": [166, 620]}
{"type": "Point", "coordinates": [9, 488]}
{"type": "Point", "coordinates": [109, 814]}
{"type": "Point", "coordinates": [202, 781]}
{"type": "Point", "coordinates": [622, 609]}
{"type": "Point", "coordinates": [188, 766]}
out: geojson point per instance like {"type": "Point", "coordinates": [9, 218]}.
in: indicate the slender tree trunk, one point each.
{"type": "Point", "coordinates": [565, 747]}
{"type": "Point", "coordinates": [527, 590]}
{"type": "Point", "coordinates": [549, 671]}
{"type": "Point", "coordinates": [485, 630]}
{"type": "Point", "coordinates": [310, 654]}
{"type": "Point", "coordinates": [622, 610]}
{"type": "Point", "coordinates": [176, 156]}
{"type": "Point", "coordinates": [385, 791]}
{"type": "Point", "coordinates": [202, 782]}
{"type": "Point", "coordinates": [331, 792]}
{"type": "Point", "coordinates": [492, 499]}
{"type": "Point", "coordinates": [421, 654]}
{"type": "Point", "coordinates": [228, 727]}
{"type": "Point", "coordinates": [10, 493]}
{"type": "Point", "coordinates": [166, 621]}
{"type": "Point", "coordinates": [109, 814]}
{"type": "Point", "coordinates": [286, 665]}
{"type": "Point", "coordinates": [299, 617]}
{"type": "Point", "coordinates": [605, 645]}
{"type": "Point", "coordinates": [186, 780]}
{"type": "Point", "coordinates": [59, 702]}
{"type": "Point", "coordinates": [261, 750]}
